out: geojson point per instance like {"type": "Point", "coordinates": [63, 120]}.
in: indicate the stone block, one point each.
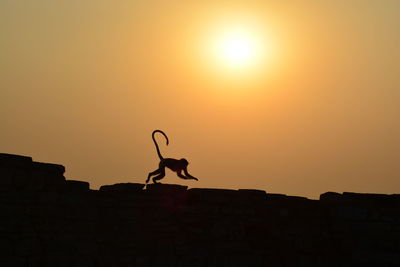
{"type": "Point", "coordinates": [331, 196]}
{"type": "Point", "coordinates": [213, 195]}
{"type": "Point", "coordinates": [48, 168]}
{"type": "Point", "coordinates": [123, 187]}
{"type": "Point", "coordinates": [375, 258]}
{"type": "Point", "coordinates": [366, 198]}
{"type": "Point", "coordinates": [168, 197]}
{"type": "Point", "coordinates": [252, 194]}
{"type": "Point", "coordinates": [282, 197]}
{"type": "Point", "coordinates": [296, 198]}
{"type": "Point", "coordinates": [6, 178]}
{"type": "Point", "coordinates": [42, 180]}
{"type": "Point", "coordinates": [159, 188]}
{"type": "Point", "coordinates": [21, 179]}
{"type": "Point", "coordinates": [77, 186]}
{"type": "Point", "coordinates": [274, 196]}
{"type": "Point", "coordinates": [11, 160]}
{"type": "Point", "coordinates": [350, 213]}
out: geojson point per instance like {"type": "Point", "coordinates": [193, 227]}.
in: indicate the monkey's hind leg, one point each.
{"type": "Point", "coordinates": [159, 177]}
{"type": "Point", "coordinates": [158, 171]}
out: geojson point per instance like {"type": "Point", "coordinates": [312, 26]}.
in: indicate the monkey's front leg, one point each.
{"type": "Point", "coordinates": [187, 176]}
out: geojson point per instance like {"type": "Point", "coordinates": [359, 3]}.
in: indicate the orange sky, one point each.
{"type": "Point", "coordinates": [84, 83]}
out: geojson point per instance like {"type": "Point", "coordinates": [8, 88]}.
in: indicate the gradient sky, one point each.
{"type": "Point", "coordinates": [84, 83]}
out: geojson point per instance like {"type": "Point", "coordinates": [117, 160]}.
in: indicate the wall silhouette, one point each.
{"type": "Point", "coordinates": [46, 220]}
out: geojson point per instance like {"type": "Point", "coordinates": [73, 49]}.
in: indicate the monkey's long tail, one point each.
{"type": "Point", "coordinates": [155, 142]}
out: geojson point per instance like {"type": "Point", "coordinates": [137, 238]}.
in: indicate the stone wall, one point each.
{"type": "Point", "coordinates": [46, 220]}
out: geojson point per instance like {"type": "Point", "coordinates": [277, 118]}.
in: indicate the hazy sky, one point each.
{"type": "Point", "coordinates": [84, 83]}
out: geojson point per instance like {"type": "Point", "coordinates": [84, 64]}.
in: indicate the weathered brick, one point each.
{"type": "Point", "coordinates": [46, 220]}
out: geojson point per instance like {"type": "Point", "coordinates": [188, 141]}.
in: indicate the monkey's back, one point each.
{"type": "Point", "coordinates": [172, 164]}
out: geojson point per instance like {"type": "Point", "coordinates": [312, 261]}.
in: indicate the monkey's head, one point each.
{"type": "Point", "coordinates": [184, 162]}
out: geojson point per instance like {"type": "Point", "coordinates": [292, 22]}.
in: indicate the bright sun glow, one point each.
{"type": "Point", "coordinates": [237, 49]}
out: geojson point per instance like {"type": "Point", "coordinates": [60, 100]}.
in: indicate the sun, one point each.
{"type": "Point", "coordinates": [236, 49]}
{"type": "Point", "coordinates": [239, 49]}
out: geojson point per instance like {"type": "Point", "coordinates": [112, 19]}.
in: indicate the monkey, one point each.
{"type": "Point", "coordinates": [176, 165]}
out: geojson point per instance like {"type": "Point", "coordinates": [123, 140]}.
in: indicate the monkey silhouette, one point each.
{"type": "Point", "coordinates": [176, 165]}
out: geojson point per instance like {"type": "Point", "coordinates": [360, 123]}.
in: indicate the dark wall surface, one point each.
{"type": "Point", "coordinates": [46, 220]}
